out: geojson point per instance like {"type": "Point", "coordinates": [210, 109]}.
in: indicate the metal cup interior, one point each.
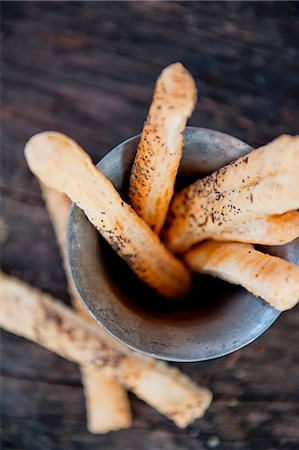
{"type": "Point", "coordinates": [216, 319]}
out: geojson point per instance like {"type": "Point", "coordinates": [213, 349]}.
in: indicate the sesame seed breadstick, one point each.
{"type": "Point", "coordinates": [237, 193]}
{"type": "Point", "coordinates": [60, 163]}
{"type": "Point", "coordinates": [279, 229]}
{"type": "Point", "coordinates": [28, 312]}
{"type": "Point", "coordinates": [271, 278]}
{"type": "Point", "coordinates": [160, 148]}
{"type": "Point", "coordinates": [107, 403]}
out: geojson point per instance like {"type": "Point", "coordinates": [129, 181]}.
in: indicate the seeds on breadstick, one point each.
{"type": "Point", "coordinates": [107, 403]}
{"type": "Point", "coordinates": [279, 229]}
{"type": "Point", "coordinates": [271, 278]}
{"type": "Point", "coordinates": [278, 156]}
{"type": "Point", "coordinates": [224, 199]}
{"type": "Point", "coordinates": [160, 148]}
{"type": "Point", "coordinates": [61, 164]}
{"type": "Point", "coordinates": [28, 312]}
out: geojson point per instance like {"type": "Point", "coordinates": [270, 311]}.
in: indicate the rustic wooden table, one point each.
{"type": "Point", "coordinates": [88, 69]}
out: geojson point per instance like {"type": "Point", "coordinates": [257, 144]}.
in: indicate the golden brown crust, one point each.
{"type": "Point", "coordinates": [160, 148]}
{"type": "Point", "coordinates": [58, 206]}
{"type": "Point", "coordinates": [61, 164]}
{"type": "Point", "coordinates": [227, 197]}
{"type": "Point", "coordinates": [279, 229]}
{"type": "Point", "coordinates": [28, 312]}
{"type": "Point", "coordinates": [276, 157]}
{"type": "Point", "coordinates": [271, 278]}
{"type": "Point", "coordinates": [107, 403]}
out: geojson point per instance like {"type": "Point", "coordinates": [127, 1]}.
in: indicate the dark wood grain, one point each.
{"type": "Point", "coordinates": [88, 69]}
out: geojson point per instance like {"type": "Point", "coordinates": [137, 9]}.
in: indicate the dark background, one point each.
{"type": "Point", "coordinates": [88, 70]}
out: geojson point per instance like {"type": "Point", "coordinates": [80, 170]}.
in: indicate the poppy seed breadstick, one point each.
{"type": "Point", "coordinates": [198, 211]}
{"type": "Point", "coordinates": [160, 148]}
{"type": "Point", "coordinates": [278, 156]}
{"type": "Point", "coordinates": [37, 316]}
{"type": "Point", "coordinates": [271, 278]}
{"type": "Point", "coordinates": [194, 217]}
{"type": "Point", "coordinates": [107, 403]}
{"type": "Point", "coordinates": [60, 163]}
{"type": "Point", "coordinates": [278, 229]}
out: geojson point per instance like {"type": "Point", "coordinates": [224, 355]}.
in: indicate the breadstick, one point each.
{"type": "Point", "coordinates": [271, 278]}
{"type": "Point", "coordinates": [28, 312]}
{"type": "Point", "coordinates": [206, 217]}
{"type": "Point", "coordinates": [160, 148]}
{"type": "Point", "coordinates": [107, 403]}
{"type": "Point", "coordinates": [61, 164]}
{"type": "Point", "coordinates": [279, 156]}
{"type": "Point", "coordinates": [225, 198]}
{"type": "Point", "coordinates": [279, 229]}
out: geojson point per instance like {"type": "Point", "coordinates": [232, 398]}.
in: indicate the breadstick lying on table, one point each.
{"type": "Point", "coordinates": [61, 164]}
{"type": "Point", "coordinates": [278, 156]}
{"type": "Point", "coordinates": [271, 278]}
{"type": "Point", "coordinates": [107, 403]}
{"type": "Point", "coordinates": [28, 312]}
{"type": "Point", "coordinates": [160, 148]}
{"type": "Point", "coordinates": [279, 229]}
{"type": "Point", "coordinates": [225, 198]}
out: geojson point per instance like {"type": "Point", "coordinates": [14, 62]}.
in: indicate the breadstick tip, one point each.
{"type": "Point", "coordinates": [49, 151]}
{"type": "Point", "coordinates": [176, 81]}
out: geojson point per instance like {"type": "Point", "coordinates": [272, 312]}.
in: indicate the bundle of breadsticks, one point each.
{"type": "Point", "coordinates": [251, 201]}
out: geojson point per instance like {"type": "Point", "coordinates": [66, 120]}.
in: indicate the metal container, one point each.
{"type": "Point", "coordinates": [215, 320]}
